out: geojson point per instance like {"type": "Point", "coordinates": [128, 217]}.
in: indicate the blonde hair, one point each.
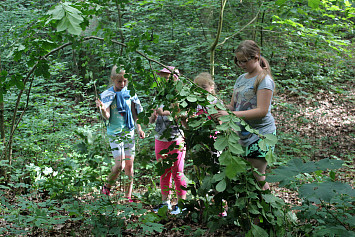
{"type": "Point", "coordinates": [115, 75]}
{"type": "Point", "coordinates": [204, 78]}
{"type": "Point", "coordinates": [250, 49]}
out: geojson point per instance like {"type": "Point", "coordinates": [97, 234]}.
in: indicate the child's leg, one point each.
{"type": "Point", "coordinates": [129, 151]}
{"type": "Point", "coordinates": [256, 156]}
{"type": "Point", "coordinates": [165, 179]}
{"type": "Point", "coordinates": [260, 164]}
{"type": "Point", "coordinates": [117, 152]}
{"type": "Point", "coordinates": [114, 172]}
{"type": "Point", "coordinates": [178, 171]}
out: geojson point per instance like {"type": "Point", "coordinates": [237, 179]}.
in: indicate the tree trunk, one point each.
{"type": "Point", "coordinates": [219, 30]}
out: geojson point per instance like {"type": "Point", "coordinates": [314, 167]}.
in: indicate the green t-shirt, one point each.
{"type": "Point", "coordinates": [117, 120]}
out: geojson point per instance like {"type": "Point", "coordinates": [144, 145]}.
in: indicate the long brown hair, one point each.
{"type": "Point", "coordinates": [250, 49]}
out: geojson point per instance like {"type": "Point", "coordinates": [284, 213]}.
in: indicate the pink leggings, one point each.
{"type": "Point", "coordinates": [177, 170]}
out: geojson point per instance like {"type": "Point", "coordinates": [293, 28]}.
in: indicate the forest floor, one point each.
{"type": "Point", "coordinates": [315, 128]}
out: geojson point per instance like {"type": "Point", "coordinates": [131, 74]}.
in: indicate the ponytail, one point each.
{"type": "Point", "coordinates": [266, 71]}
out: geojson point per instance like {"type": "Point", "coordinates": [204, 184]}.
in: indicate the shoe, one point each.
{"type": "Point", "coordinates": [176, 210]}
{"type": "Point", "coordinates": [161, 205]}
{"type": "Point", "coordinates": [127, 199]}
{"type": "Point", "coordinates": [105, 190]}
{"type": "Point", "coordinates": [223, 214]}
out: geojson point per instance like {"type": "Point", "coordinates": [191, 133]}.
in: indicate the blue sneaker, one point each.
{"type": "Point", "coordinates": [161, 205]}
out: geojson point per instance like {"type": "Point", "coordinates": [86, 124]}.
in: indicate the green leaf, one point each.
{"type": "Point", "coordinates": [221, 143]}
{"type": "Point", "coordinates": [192, 98]}
{"type": "Point", "coordinates": [185, 92]}
{"type": "Point", "coordinates": [211, 98]}
{"type": "Point", "coordinates": [225, 118]}
{"type": "Point", "coordinates": [221, 186]}
{"type": "Point", "coordinates": [236, 148]}
{"type": "Point", "coordinates": [219, 176]}
{"type": "Point", "coordinates": [70, 18]}
{"type": "Point", "coordinates": [236, 165]}
{"type": "Point", "coordinates": [57, 13]}
{"type": "Point", "coordinates": [325, 191]}
{"type": "Point", "coordinates": [258, 231]}
{"type": "Point", "coordinates": [280, 2]}
{"type": "Point", "coordinates": [270, 158]}
{"type": "Point", "coordinates": [62, 25]}
{"type": "Point", "coordinates": [235, 127]}
{"type": "Point", "coordinates": [285, 174]}
{"type": "Point", "coordinates": [327, 163]}
{"type": "Point", "coordinates": [314, 4]}
{"type": "Point", "coordinates": [225, 157]}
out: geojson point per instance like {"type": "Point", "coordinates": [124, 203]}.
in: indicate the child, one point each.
{"type": "Point", "coordinates": [161, 118]}
{"type": "Point", "coordinates": [205, 81]}
{"type": "Point", "coordinates": [251, 100]}
{"type": "Point", "coordinates": [120, 109]}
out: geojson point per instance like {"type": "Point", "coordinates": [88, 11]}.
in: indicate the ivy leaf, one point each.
{"type": "Point", "coordinates": [225, 118]}
{"type": "Point", "coordinates": [221, 143]}
{"type": "Point", "coordinates": [221, 186]}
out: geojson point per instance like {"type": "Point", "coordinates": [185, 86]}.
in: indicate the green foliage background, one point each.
{"type": "Point", "coordinates": [56, 56]}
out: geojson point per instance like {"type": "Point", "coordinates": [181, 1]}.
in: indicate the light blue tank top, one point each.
{"type": "Point", "coordinates": [116, 122]}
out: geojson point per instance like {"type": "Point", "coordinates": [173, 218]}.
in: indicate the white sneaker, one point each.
{"type": "Point", "coordinates": [161, 205]}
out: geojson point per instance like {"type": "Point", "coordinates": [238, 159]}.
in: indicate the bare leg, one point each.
{"type": "Point", "coordinates": [115, 171]}
{"type": "Point", "coordinates": [260, 164]}
{"type": "Point", "coordinates": [128, 168]}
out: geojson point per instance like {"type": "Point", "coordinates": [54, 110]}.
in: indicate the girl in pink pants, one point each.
{"type": "Point", "coordinates": [162, 119]}
{"type": "Point", "coordinates": [176, 171]}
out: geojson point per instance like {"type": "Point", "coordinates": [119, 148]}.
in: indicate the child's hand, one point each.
{"type": "Point", "coordinates": [219, 114]}
{"type": "Point", "coordinates": [159, 111]}
{"type": "Point", "coordinates": [99, 104]}
{"type": "Point", "coordinates": [141, 134]}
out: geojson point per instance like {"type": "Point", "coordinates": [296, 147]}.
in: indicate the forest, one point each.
{"type": "Point", "coordinates": [55, 61]}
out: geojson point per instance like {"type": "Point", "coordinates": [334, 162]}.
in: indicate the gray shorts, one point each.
{"type": "Point", "coordinates": [123, 143]}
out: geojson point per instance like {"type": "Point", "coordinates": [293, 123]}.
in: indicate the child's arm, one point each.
{"type": "Point", "coordinates": [135, 117]}
{"type": "Point", "coordinates": [262, 107]}
{"type": "Point", "coordinates": [162, 112]}
{"type": "Point", "coordinates": [153, 117]}
{"type": "Point", "coordinates": [105, 112]}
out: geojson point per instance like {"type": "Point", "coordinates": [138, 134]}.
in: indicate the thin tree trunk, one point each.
{"type": "Point", "coordinates": [119, 25]}
{"type": "Point", "coordinates": [219, 30]}
{"type": "Point", "coordinates": [2, 120]}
